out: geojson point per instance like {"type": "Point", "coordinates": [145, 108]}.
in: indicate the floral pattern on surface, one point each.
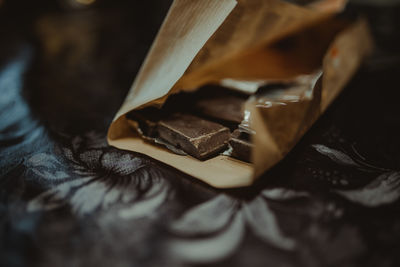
{"type": "Point", "coordinates": [384, 189]}
{"type": "Point", "coordinates": [99, 178]}
{"type": "Point", "coordinates": [221, 224]}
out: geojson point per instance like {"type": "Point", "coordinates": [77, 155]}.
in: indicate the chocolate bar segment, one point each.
{"type": "Point", "coordinates": [228, 108]}
{"type": "Point", "coordinates": [241, 145]}
{"type": "Point", "coordinates": [197, 137]}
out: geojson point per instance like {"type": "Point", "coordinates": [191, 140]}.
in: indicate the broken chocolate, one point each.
{"type": "Point", "coordinates": [197, 137]}
{"type": "Point", "coordinates": [214, 112]}
{"type": "Point", "coordinates": [241, 145]}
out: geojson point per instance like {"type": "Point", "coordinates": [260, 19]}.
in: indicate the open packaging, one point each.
{"type": "Point", "coordinates": [288, 62]}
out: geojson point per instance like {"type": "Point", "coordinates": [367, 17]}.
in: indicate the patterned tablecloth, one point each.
{"type": "Point", "coordinates": [68, 199]}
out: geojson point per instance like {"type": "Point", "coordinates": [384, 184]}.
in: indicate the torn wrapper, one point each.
{"type": "Point", "coordinates": [243, 44]}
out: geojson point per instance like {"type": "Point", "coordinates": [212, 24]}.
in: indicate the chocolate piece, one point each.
{"type": "Point", "coordinates": [241, 145]}
{"type": "Point", "coordinates": [222, 107]}
{"type": "Point", "coordinates": [197, 137]}
{"type": "Point", "coordinates": [147, 119]}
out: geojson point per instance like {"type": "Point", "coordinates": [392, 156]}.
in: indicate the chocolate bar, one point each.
{"type": "Point", "coordinates": [198, 124]}
{"type": "Point", "coordinates": [197, 137]}
{"type": "Point", "coordinates": [241, 145]}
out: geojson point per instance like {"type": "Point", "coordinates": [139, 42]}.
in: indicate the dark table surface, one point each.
{"type": "Point", "coordinates": [68, 199]}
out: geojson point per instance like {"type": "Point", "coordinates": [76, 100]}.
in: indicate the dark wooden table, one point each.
{"type": "Point", "coordinates": [68, 199]}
